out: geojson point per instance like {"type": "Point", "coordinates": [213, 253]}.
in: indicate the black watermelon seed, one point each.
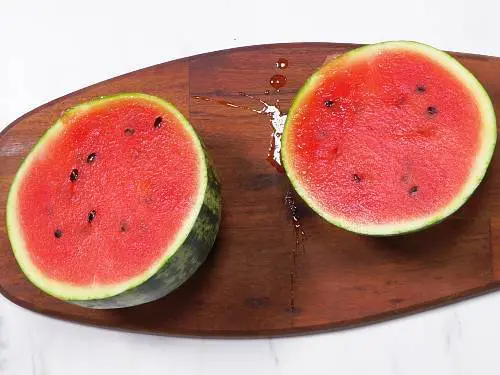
{"type": "Point", "coordinates": [91, 157]}
{"type": "Point", "coordinates": [432, 110]}
{"type": "Point", "coordinates": [420, 88]}
{"type": "Point", "coordinates": [58, 233]}
{"type": "Point", "coordinates": [74, 175]}
{"type": "Point", "coordinates": [328, 103]}
{"type": "Point", "coordinates": [129, 131]}
{"type": "Point", "coordinates": [413, 190]}
{"type": "Point", "coordinates": [91, 216]}
{"type": "Point", "coordinates": [356, 178]}
{"type": "Point", "coordinates": [158, 121]}
{"type": "Point", "coordinates": [123, 227]}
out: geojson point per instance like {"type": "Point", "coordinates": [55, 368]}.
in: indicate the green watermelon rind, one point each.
{"type": "Point", "coordinates": [182, 258]}
{"type": "Point", "coordinates": [483, 158]}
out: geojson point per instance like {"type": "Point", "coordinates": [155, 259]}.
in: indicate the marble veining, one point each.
{"type": "Point", "coordinates": [274, 354]}
{"type": "Point", "coordinates": [3, 346]}
{"type": "Point", "coordinates": [452, 331]}
{"type": "Point", "coordinates": [38, 363]}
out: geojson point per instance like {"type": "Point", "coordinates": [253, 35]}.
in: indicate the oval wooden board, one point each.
{"type": "Point", "coordinates": [245, 288]}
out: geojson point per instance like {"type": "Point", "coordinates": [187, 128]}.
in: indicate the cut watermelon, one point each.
{"type": "Point", "coordinates": [116, 205]}
{"type": "Point", "coordinates": [389, 138]}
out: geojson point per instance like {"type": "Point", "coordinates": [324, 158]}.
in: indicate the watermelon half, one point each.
{"type": "Point", "coordinates": [116, 205]}
{"type": "Point", "coordinates": [389, 138]}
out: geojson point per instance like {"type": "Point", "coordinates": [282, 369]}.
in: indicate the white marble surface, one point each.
{"type": "Point", "coordinates": [50, 48]}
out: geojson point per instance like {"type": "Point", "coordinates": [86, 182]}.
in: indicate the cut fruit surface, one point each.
{"type": "Point", "coordinates": [389, 138]}
{"type": "Point", "coordinates": [116, 205]}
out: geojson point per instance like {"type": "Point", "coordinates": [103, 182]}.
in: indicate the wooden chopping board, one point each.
{"type": "Point", "coordinates": [257, 281]}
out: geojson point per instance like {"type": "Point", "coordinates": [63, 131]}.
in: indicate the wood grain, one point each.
{"type": "Point", "coordinates": [245, 288]}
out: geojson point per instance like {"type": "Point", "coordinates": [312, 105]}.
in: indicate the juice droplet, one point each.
{"type": "Point", "coordinates": [299, 247]}
{"type": "Point", "coordinates": [266, 92]}
{"type": "Point", "coordinates": [254, 98]}
{"type": "Point", "coordinates": [282, 63]}
{"type": "Point", "coordinates": [277, 124]}
{"type": "Point", "coordinates": [299, 232]}
{"type": "Point", "coordinates": [271, 155]}
{"type": "Point", "coordinates": [277, 81]}
{"type": "Point", "coordinates": [228, 104]}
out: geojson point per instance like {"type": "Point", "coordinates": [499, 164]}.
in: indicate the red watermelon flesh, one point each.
{"type": "Point", "coordinates": [386, 137]}
{"type": "Point", "coordinates": [140, 197]}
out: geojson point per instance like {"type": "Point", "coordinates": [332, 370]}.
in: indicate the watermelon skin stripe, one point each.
{"type": "Point", "coordinates": [183, 263]}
